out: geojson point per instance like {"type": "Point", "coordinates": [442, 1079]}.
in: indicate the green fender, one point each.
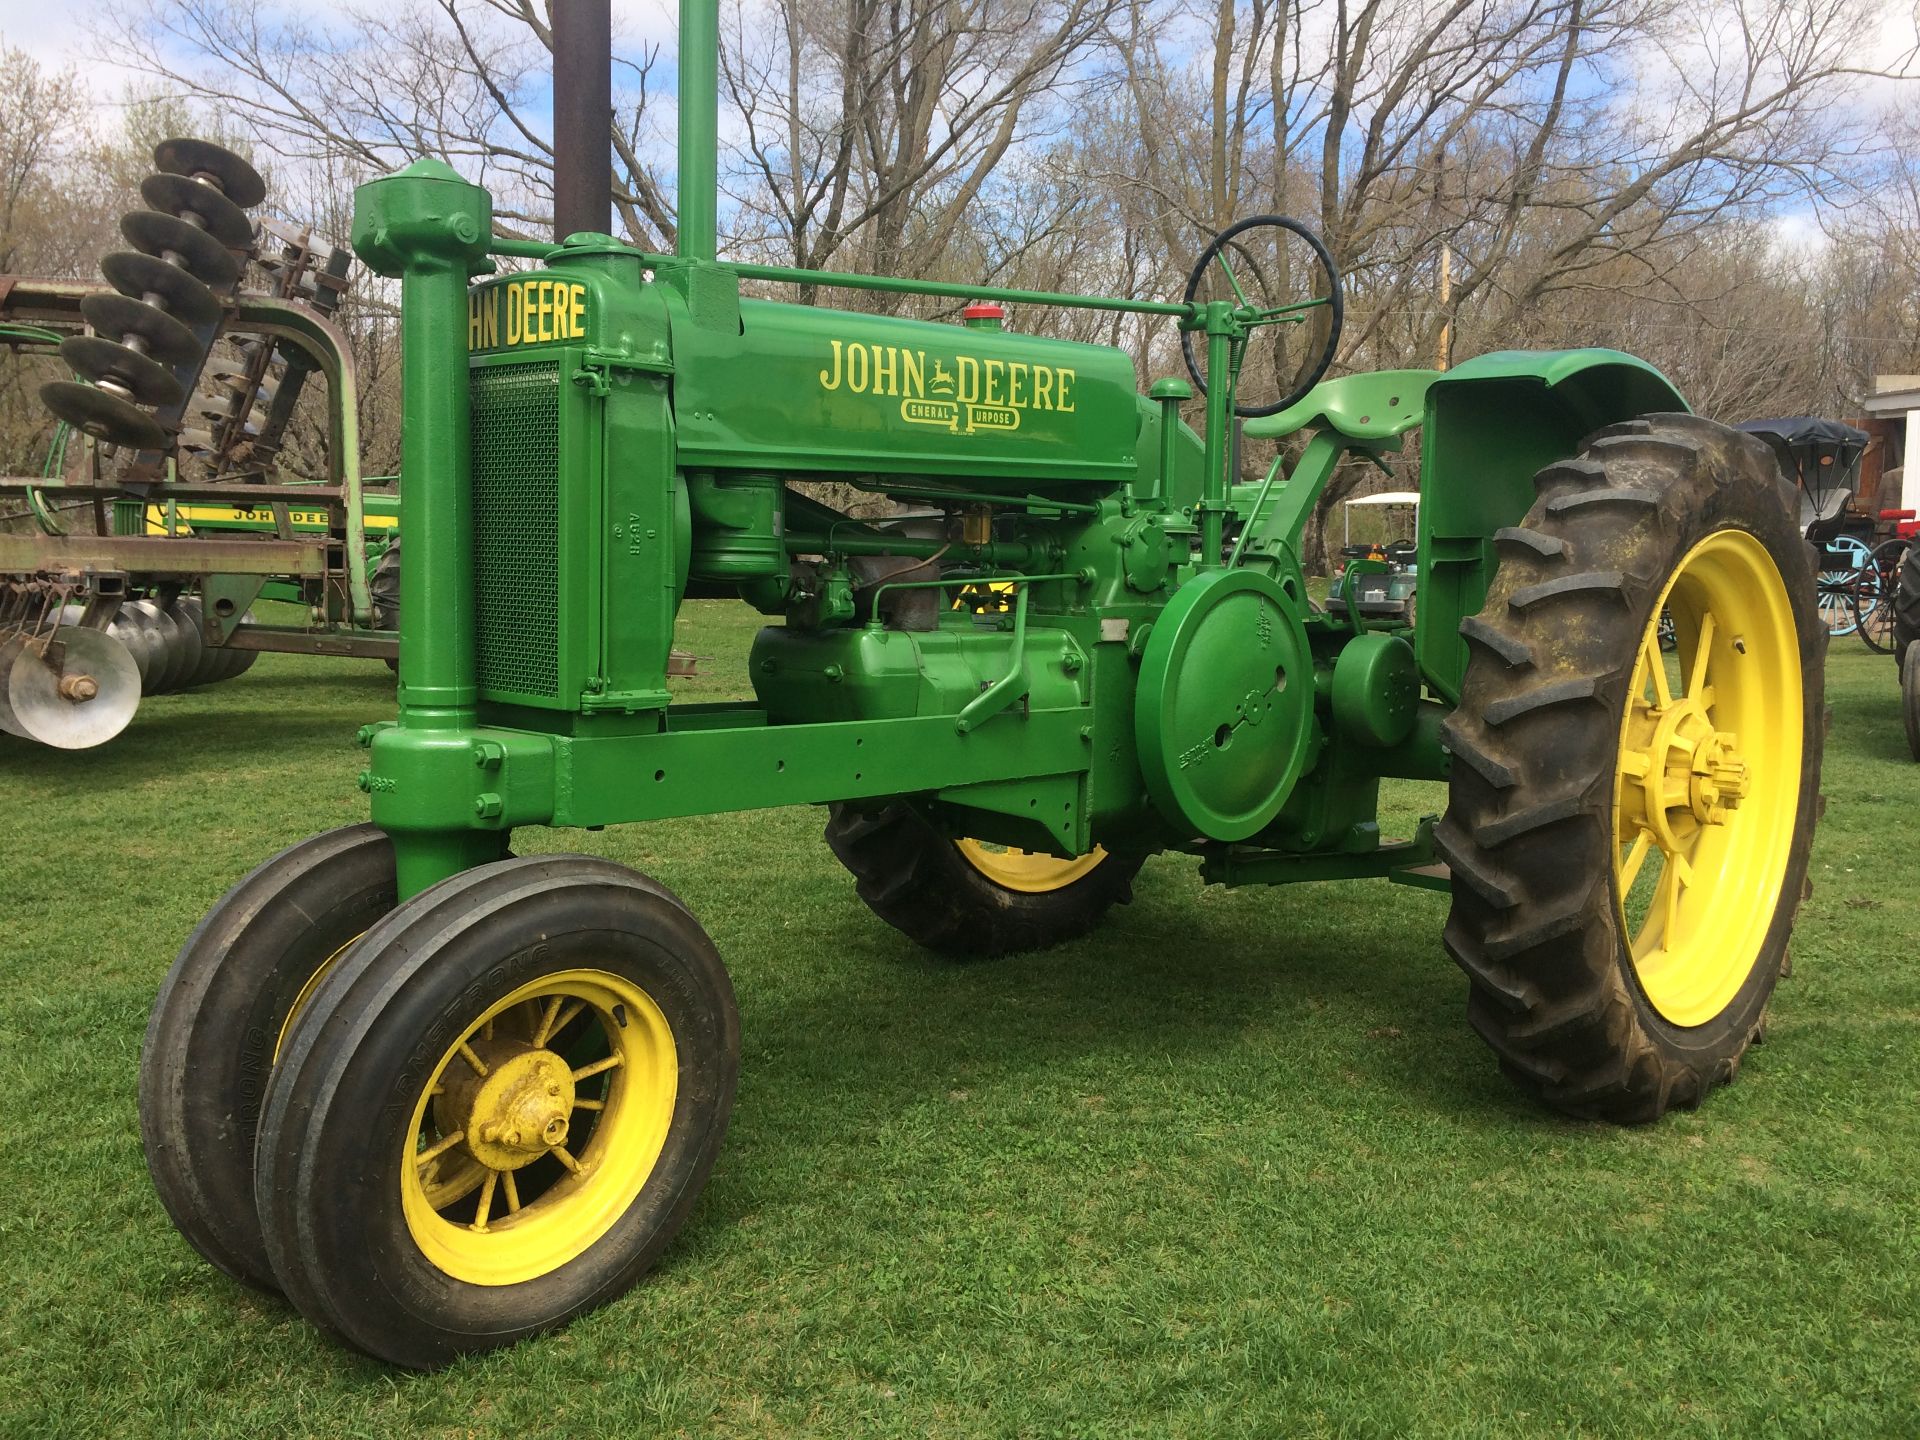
{"type": "Point", "coordinates": [1491, 423]}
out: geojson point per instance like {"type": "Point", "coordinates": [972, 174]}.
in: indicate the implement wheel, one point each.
{"type": "Point", "coordinates": [968, 899]}
{"type": "Point", "coordinates": [1628, 830]}
{"type": "Point", "coordinates": [220, 1020]}
{"type": "Point", "coordinates": [498, 1109]}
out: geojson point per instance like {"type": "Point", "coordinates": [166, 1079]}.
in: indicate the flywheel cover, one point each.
{"type": "Point", "coordinates": [1223, 716]}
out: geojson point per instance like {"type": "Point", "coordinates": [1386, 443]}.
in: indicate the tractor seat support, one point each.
{"type": "Point", "coordinates": [1365, 409]}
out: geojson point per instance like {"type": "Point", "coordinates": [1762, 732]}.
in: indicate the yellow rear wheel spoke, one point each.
{"type": "Point", "coordinates": [513, 1192]}
{"type": "Point", "coordinates": [1636, 857]}
{"type": "Point", "coordinates": [1656, 664]}
{"type": "Point", "coordinates": [1702, 652]}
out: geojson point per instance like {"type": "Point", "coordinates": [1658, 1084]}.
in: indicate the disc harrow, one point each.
{"type": "Point", "coordinates": [152, 337]}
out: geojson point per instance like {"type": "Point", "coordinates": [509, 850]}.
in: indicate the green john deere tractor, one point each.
{"type": "Point", "coordinates": [444, 1097]}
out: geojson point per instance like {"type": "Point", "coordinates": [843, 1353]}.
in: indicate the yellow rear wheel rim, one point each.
{"type": "Point", "coordinates": [1707, 787]}
{"type": "Point", "coordinates": [539, 1128]}
{"type": "Point", "coordinates": [1028, 871]}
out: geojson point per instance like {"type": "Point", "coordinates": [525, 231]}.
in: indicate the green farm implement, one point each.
{"type": "Point", "coordinates": [443, 1097]}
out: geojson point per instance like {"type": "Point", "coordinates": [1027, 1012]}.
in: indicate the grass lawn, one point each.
{"type": "Point", "coordinates": [1234, 1166]}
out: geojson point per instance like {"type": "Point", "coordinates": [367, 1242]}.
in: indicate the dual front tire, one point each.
{"type": "Point", "coordinates": [486, 1114]}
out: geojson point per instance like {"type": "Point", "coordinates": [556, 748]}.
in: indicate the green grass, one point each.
{"type": "Point", "coordinates": [1234, 1166]}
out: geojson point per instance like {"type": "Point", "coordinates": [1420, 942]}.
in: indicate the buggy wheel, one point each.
{"type": "Point", "coordinates": [1843, 563]}
{"type": "Point", "coordinates": [1873, 595]}
{"type": "Point", "coordinates": [498, 1109]}
{"type": "Point", "coordinates": [969, 899]}
{"type": "Point", "coordinates": [1628, 831]}
{"type": "Point", "coordinates": [219, 1020]}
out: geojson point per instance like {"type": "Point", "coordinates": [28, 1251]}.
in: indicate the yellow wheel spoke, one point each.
{"type": "Point", "coordinates": [1672, 882]}
{"type": "Point", "coordinates": [561, 1153]}
{"type": "Point", "coordinates": [1656, 664]}
{"type": "Point", "coordinates": [485, 1206]}
{"type": "Point", "coordinates": [434, 1152]}
{"type": "Point", "coordinates": [479, 1066]}
{"type": "Point", "coordinates": [1702, 649]}
{"type": "Point", "coordinates": [1636, 857]}
{"type": "Point", "coordinates": [1634, 764]}
{"type": "Point", "coordinates": [545, 1027]}
{"type": "Point", "coordinates": [597, 1066]}
{"type": "Point", "coordinates": [1682, 870]}
{"type": "Point", "coordinates": [513, 1192]}
{"type": "Point", "coordinates": [554, 1023]}
{"type": "Point", "coordinates": [580, 1103]}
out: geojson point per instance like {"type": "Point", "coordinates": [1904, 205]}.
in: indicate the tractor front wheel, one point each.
{"type": "Point", "coordinates": [968, 899]}
{"type": "Point", "coordinates": [1628, 829]}
{"type": "Point", "coordinates": [221, 1018]}
{"type": "Point", "coordinates": [498, 1109]}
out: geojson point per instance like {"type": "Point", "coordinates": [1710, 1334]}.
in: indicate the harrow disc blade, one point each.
{"type": "Point", "coordinates": [201, 256]}
{"type": "Point", "coordinates": [225, 221]}
{"type": "Point", "coordinates": [188, 644]}
{"type": "Point", "coordinates": [93, 411]}
{"type": "Point", "coordinates": [167, 650]}
{"type": "Point", "coordinates": [10, 648]}
{"type": "Point", "coordinates": [117, 318]}
{"type": "Point", "coordinates": [185, 156]}
{"type": "Point", "coordinates": [140, 633]}
{"type": "Point", "coordinates": [86, 703]}
{"type": "Point", "coordinates": [145, 379]}
{"type": "Point", "coordinates": [140, 276]}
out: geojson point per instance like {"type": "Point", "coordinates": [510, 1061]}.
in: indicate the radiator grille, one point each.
{"type": "Point", "coordinates": [516, 551]}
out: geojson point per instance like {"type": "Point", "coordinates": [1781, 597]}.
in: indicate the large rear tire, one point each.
{"type": "Point", "coordinates": [221, 1017]}
{"type": "Point", "coordinates": [1629, 841]}
{"type": "Point", "coordinates": [969, 900]}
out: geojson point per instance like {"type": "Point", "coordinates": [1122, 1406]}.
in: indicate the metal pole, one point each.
{"type": "Point", "coordinates": [699, 182]}
{"type": "Point", "coordinates": [582, 116]}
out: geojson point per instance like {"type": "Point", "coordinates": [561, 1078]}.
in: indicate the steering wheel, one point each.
{"type": "Point", "coordinates": [1241, 265]}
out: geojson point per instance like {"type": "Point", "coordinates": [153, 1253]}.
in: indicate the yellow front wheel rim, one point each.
{"type": "Point", "coordinates": [539, 1127]}
{"type": "Point", "coordinates": [1028, 871]}
{"type": "Point", "coordinates": [1706, 793]}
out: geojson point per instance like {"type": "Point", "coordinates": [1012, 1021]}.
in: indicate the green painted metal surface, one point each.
{"type": "Point", "coordinates": [1226, 691]}
{"type": "Point", "coordinates": [1056, 649]}
{"type": "Point", "coordinates": [1491, 424]}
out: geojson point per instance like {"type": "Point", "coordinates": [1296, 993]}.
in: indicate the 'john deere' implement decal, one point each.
{"type": "Point", "coordinates": [533, 311]}
{"type": "Point", "coordinates": [966, 395]}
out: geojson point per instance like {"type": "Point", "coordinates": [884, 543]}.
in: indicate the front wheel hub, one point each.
{"type": "Point", "coordinates": [513, 1109]}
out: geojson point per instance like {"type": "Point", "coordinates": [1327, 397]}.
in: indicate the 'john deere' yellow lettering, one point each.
{"type": "Point", "coordinates": [539, 311]}
{"type": "Point", "coordinates": [965, 394]}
